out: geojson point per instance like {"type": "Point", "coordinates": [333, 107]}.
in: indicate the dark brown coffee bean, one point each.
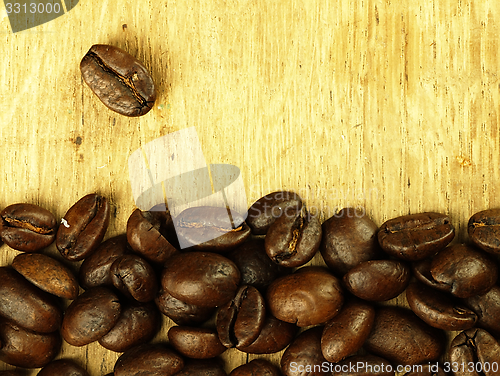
{"type": "Point", "coordinates": [27, 227]}
{"type": "Point", "coordinates": [95, 269]}
{"type": "Point", "coordinates": [203, 367]}
{"type": "Point", "coordinates": [349, 238]}
{"type": "Point", "coordinates": [422, 271]}
{"type": "Point", "coordinates": [93, 314]}
{"type": "Point", "coordinates": [182, 313]}
{"type": "Point", "coordinates": [196, 343]}
{"type": "Point", "coordinates": [134, 277]}
{"type": "Point", "coordinates": [293, 239]}
{"type": "Point", "coordinates": [304, 354]}
{"type": "Point", "coordinates": [151, 360]}
{"type": "Point", "coordinates": [438, 309]}
{"type": "Point", "coordinates": [475, 352]}
{"type": "Point", "coordinates": [201, 278]}
{"type": "Point", "coordinates": [119, 80]}
{"type": "Point", "coordinates": [401, 337]}
{"type": "Point", "coordinates": [487, 308]}
{"type": "Point", "coordinates": [484, 230]}
{"type": "Point", "coordinates": [345, 333]}
{"type": "Point", "coordinates": [83, 227]}
{"type": "Point", "coordinates": [240, 321]}
{"type": "Point", "coordinates": [416, 236]}
{"type": "Point", "coordinates": [363, 365]}
{"type": "Point", "coordinates": [467, 271]}
{"type": "Point", "coordinates": [147, 233]}
{"type": "Point", "coordinates": [274, 336]}
{"type": "Point", "coordinates": [47, 274]}
{"type": "Point", "coordinates": [427, 370]}
{"type": "Point", "coordinates": [137, 324]}
{"type": "Point", "coordinates": [27, 305]}
{"type": "Point", "coordinates": [24, 348]}
{"type": "Point", "coordinates": [193, 225]}
{"type": "Point", "coordinates": [378, 280]}
{"type": "Point", "coordinates": [310, 296]}
{"type": "Point", "coordinates": [256, 367]}
{"type": "Point", "coordinates": [62, 367]}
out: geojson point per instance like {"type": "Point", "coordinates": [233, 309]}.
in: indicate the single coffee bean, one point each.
{"type": "Point", "coordinates": [293, 239]}
{"type": "Point", "coordinates": [95, 269]}
{"type": "Point", "coordinates": [119, 80]}
{"type": "Point", "coordinates": [62, 367]}
{"type": "Point", "coordinates": [137, 324]}
{"type": "Point", "coordinates": [27, 305]}
{"type": "Point", "coordinates": [484, 230]}
{"type": "Point", "coordinates": [182, 313]}
{"type": "Point", "coordinates": [345, 333]}
{"type": "Point", "coordinates": [24, 348]}
{"type": "Point", "coordinates": [309, 296]}
{"type": "Point", "coordinates": [439, 309]}
{"type": "Point", "coordinates": [240, 321]}
{"type": "Point", "coordinates": [427, 370]}
{"type": "Point", "coordinates": [378, 280]}
{"type": "Point", "coordinates": [363, 365]}
{"type": "Point", "coordinates": [416, 236]}
{"type": "Point", "coordinates": [93, 314]}
{"type": "Point", "coordinates": [48, 274]}
{"type": "Point", "coordinates": [194, 225]}
{"type": "Point", "coordinates": [487, 308]}
{"type": "Point", "coordinates": [134, 277]}
{"type": "Point", "coordinates": [467, 271]}
{"type": "Point", "coordinates": [201, 278]}
{"type": "Point", "coordinates": [83, 227]}
{"type": "Point", "coordinates": [264, 212]}
{"type": "Point", "coordinates": [349, 238]}
{"type": "Point", "coordinates": [261, 367]}
{"type": "Point", "coordinates": [27, 227]}
{"type": "Point", "coordinates": [151, 360]}
{"type": "Point", "coordinates": [147, 233]}
{"type": "Point", "coordinates": [203, 367]}
{"type": "Point", "coordinates": [422, 271]}
{"type": "Point", "coordinates": [197, 343]}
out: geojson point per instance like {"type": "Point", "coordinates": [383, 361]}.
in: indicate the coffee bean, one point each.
{"type": "Point", "coordinates": [364, 365]}
{"type": "Point", "coordinates": [119, 80]}
{"type": "Point", "coordinates": [182, 313]}
{"type": "Point", "coordinates": [484, 230]}
{"type": "Point", "coordinates": [378, 280]}
{"type": "Point", "coordinates": [83, 227]}
{"type": "Point", "coordinates": [62, 367]}
{"type": "Point", "coordinates": [261, 367]}
{"type": "Point", "coordinates": [197, 343]}
{"type": "Point", "coordinates": [487, 308]}
{"type": "Point", "coordinates": [151, 360]}
{"type": "Point", "coordinates": [422, 271]}
{"type": "Point", "coordinates": [27, 227]}
{"type": "Point", "coordinates": [203, 367]}
{"type": "Point", "coordinates": [416, 236]}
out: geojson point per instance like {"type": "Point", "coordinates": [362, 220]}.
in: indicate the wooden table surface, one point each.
{"type": "Point", "coordinates": [389, 105]}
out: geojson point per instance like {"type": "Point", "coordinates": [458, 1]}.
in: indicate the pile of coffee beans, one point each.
{"type": "Point", "coordinates": [252, 288]}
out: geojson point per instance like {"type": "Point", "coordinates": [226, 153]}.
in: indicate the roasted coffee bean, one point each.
{"type": "Point", "coordinates": [260, 367]}
{"type": "Point", "coordinates": [182, 313]}
{"type": "Point", "coordinates": [24, 348]}
{"type": "Point", "coordinates": [47, 274]}
{"type": "Point", "coordinates": [274, 336]}
{"type": "Point", "coordinates": [195, 225]}
{"type": "Point", "coordinates": [427, 370]}
{"type": "Point", "coordinates": [62, 367]}
{"type": "Point", "coordinates": [201, 278]}
{"type": "Point", "coordinates": [93, 314]}
{"type": "Point", "coordinates": [475, 352]}
{"type": "Point", "coordinates": [151, 360]}
{"type": "Point", "coordinates": [83, 227]}
{"type": "Point", "coordinates": [349, 238]}
{"type": "Point", "coordinates": [293, 239]}
{"type": "Point", "coordinates": [27, 227]}
{"type": "Point", "coordinates": [95, 269]}
{"type": "Point", "coordinates": [378, 280]}
{"type": "Point", "coordinates": [309, 296]}
{"type": "Point", "coordinates": [363, 365]}
{"type": "Point", "coordinates": [304, 353]}
{"type": "Point", "coordinates": [401, 337]}
{"type": "Point", "coordinates": [196, 343]}
{"type": "Point", "coordinates": [240, 321]}
{"type": "Point", "coordinates": [264, 212]}
{"type": "Point", "coordinates": [467, 271]}
{"type": "Point", "coordinates": [484, 230]}
{"type": "Point", "coordinates": [119, 80]}
{"type": "Point", "coordinates": [147, 234]}
{"type": "Point", "coordinates": [203, 367]}
{"type": "Point", "coordinates": [27, 305]}
{"type": "Point", "coordinates": [137, 324]}
{"type": "Point", "coordinates": [134, 277]}
{"type": "Point", "coordinates": [345, 333]}
{"type": "Point", "coordinates": [487, 308]}
{"type": "Point", "coordinates": [422, 271]}
{"type": "Point", "coordinates": [439, 309]}
{"type": "Point", "coordinates": [416, 236]}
